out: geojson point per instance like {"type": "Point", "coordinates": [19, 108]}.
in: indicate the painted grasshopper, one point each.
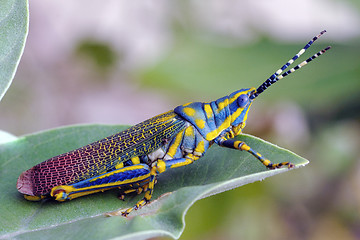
{"type": "Point", "coordinates": [131, 160]}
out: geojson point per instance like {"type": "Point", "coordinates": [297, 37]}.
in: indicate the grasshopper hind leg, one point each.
{"type": "Point", "coordinates": [126, 177]}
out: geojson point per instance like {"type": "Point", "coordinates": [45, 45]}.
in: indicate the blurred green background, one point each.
{"type": "Point", "coordinates": [121, 62]}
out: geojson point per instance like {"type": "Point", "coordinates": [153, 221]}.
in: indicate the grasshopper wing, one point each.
{"type": "Point", "coordinates": [101, 156]}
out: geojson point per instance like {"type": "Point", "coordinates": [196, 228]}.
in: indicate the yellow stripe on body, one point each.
{"type": "Point", "coordinates": [246, 115]}
{"type": "Point", "coordinates": [120, 165]}
{"type": "Point", "coordinates": [34, 198]}
{"type": "Point", "coordinates": [231, 100]}
{"type": "Point", "coordinates": [189, 111]}
{"type": "Point", "coordinates": [68, 190]}
{"type": "Point", "coordinates": [213, 134]}
{"type": "Point", "coordinates": [227, 102]}
{"type": "Point", "coordinates": [237, 129]}
{"type": "Point", "coordinates": [129, 168]}
{"type": "Point", "coordinates": [222, 105]}
{"type": "Point", "coordinates": [189, 131]}
{"type": "Point", "coordinates": [208, 110]}
{"type": "Point", "coordinates": [73, 192]}
{"type": "Point", "coordinates": [130, 180]}
{"type": "Point", "coordinates": [160, 166]}
{"type": "Point", "coordinates": [200, 123]}
{"type": "Point", "coordinates": [200, 148]}
{"type": "Point", "coordinates": [210, 136]}
{"type": "Point", "coordinates": [235, 97]}
{"type": "Point", "coordinates": [135, 160]}
{"type": "Point", "coordinates": [190, 158]}
{"type": "Point", "coordinates": [174, 147]}
{"type": "Point", "coordinates": [227, 123]}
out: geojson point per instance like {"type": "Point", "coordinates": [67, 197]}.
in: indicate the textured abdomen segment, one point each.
{"type": "Point", "coordinates": [101, 156]}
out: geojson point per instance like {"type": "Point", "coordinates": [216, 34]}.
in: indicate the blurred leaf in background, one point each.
{"type": "Point", "coordinates": [99, 55]}
{"type": "Point", "coordinates": [13, 32]}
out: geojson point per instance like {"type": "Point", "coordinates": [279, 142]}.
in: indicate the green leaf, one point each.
{"type": "Point", "coordinates": [14, 22]}
{"type": "Point", "coordinates": [177, 189]}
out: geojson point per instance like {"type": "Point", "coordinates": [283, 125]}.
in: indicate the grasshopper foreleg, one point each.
{"type": "Point", "coordinates": [240, 145]}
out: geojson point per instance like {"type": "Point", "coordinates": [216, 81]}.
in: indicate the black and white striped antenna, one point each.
{"type": "Point", "coordinates": [276, 76]}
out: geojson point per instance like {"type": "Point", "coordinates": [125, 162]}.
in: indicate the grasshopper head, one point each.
{"type": "Point", "coordinates": [240, 102]}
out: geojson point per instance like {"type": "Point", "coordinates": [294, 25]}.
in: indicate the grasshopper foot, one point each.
{"type": "Point", "coordinates": [279, 165]}
{"type": "Point", "coordinates": [139, 205]}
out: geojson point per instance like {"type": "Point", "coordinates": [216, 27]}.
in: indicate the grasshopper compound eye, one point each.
{"type": "Point", "coordinates": [243, 100]}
